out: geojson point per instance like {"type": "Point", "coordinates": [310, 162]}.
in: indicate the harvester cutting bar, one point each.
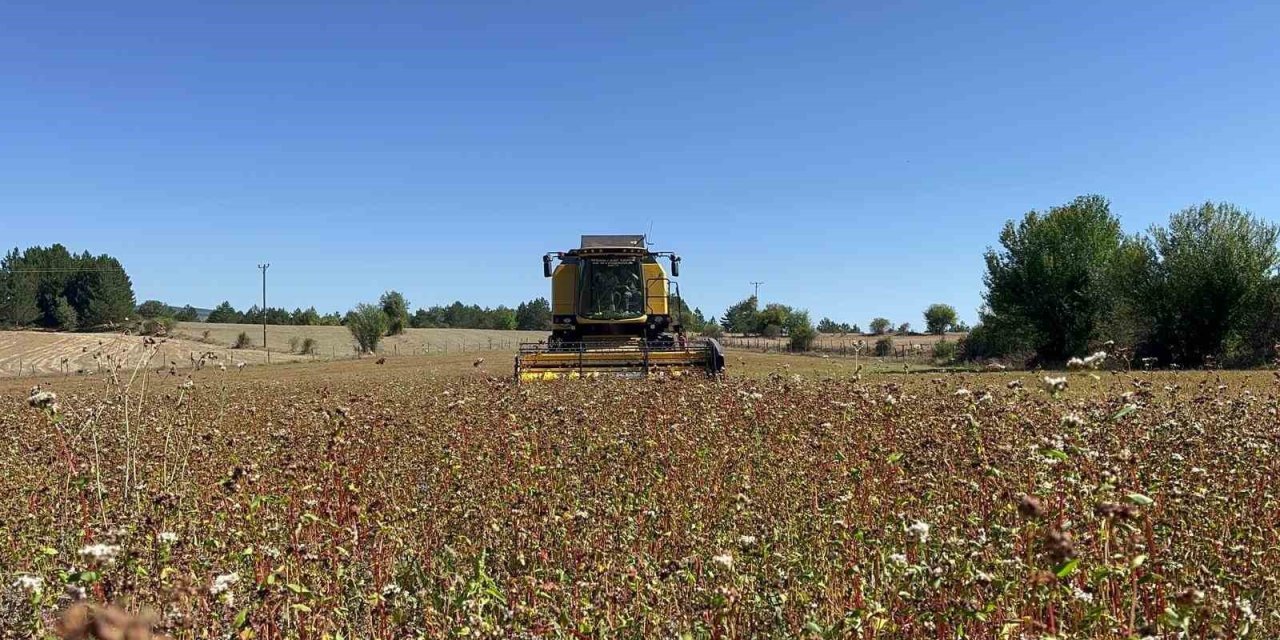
{"type": "Point", "coordinates": [632, 358]}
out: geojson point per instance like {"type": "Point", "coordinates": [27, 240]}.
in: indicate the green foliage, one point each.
{"type": "Point", "coordinates": [304, 317]}
{"type": "Point", "coordinates": [367, 323]}
{"type": "Point", "coordinates": [154, 309]}
{"type": "Point", "coordinates": [993, 337]}
{"type": "Point", "coordinates": [1050, 275]}
{"type": "Point", "coordinates": [243, 341]}
{"type": "Point", "coordinates": [187, 313]}
{"type": "Point", "coordinates": [880, 326]}
{"type": "Point", "coordinates": [225, 313]}
{"type": "Point", "coordinates": [712, 330]}
{"type": "Point", "coordinates": [938, 318]}
{"type": "Point", "coordinates": [773, 319]}
{"type": "Point", "coordinates": [534, 315]}
{"type": "Point", "coordinates": [800, 331]}
{"type": "Point", "coordinates": [35, 282]}
{"type": "Point", "coordinates": [827, 325]}
{"type": "Point", "coordinates": [884, 347]}
{"type": "Point", "coordinates": [945, 350]}
{"type": "Point", "coordinates": [741, 317]}
{"type": "Point", "coordinates": [65, 316]}
{"type": "Point", "coordinates": [397, 309]}
{"type": "Point", "coordinates": [1211, 276]}
{"type": "Point", "coordinates": [904, 329]}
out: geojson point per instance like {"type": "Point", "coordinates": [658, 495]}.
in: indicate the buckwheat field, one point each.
{"type": "Point", "coordinates": [390, 503]}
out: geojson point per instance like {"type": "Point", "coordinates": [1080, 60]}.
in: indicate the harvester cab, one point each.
{"type": "Point", "coordinates": [615, 311]}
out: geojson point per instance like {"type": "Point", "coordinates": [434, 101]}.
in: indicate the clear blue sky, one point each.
{"type": "Point", "coordinates": [857, 160]}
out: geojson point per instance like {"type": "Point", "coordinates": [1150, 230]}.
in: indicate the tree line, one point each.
{"type": "Point", "coordinates": [1201, 289]}
{"type": "Point", "coordinates": [54, 288]}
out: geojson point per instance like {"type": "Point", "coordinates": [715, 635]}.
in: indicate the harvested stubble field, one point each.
{"type": "Point", "coordinates": [381, 502]}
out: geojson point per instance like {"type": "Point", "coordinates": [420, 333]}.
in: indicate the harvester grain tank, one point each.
{"type": "Point", "coordinates": [615, 311]}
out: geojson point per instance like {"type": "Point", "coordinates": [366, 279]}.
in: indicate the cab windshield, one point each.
{"type": "Point", "coordinates": [611, 289]}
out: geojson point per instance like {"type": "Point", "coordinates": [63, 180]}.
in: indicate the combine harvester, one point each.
{"type": "Point", "coordinates": [612, 314]}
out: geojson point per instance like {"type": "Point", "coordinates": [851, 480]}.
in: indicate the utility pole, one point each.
{"type": "Point", "coordinates": [757, 293]}
{"type": "Point", "coordinates": [264, 310]}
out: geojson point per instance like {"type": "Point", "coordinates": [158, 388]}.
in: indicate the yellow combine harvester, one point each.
{"type": "Point", "coordinates": [615, 312]}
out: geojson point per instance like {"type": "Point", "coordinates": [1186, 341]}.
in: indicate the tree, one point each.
{"type": "Point", "coordinates": [367, 323]}
{"type": "Point", "coordinates": [187, 313]}
{"type": "Point", "coordinates": [741, 317]}
{"type": "Point", "coordinates": [800, 331]}
{"type": "Point", "coordinates": [773, 319]}
{"type": "Point", "coordinates": [939, 317]}
{"type": "Point", "coordinates": [904, 328]}
{"type": "Point", "coordinates": [1050, 276]}
{"type": "Point", "coordinates": [65, 315]}
{"type": "Point", "coordinates": [305, 317]}
{"type": "Point", "coordinates": [1211, 272]}
{"type": "Point", "coordinates": [534, 315]}
{"type": "Point", "coordinates": [154, 309]}
{"type": "Point", "coordinates": [225, 313]}
{"type": "Point", "coordinates": [17, 292]}
{"type": "Point", "coordinates": [880, 325]}
{"type": "Point", "coordinates": [397, 310]}
{"type": "Point", "coordinates": [827, 325]}
{"type": "Point", "coordinates": [500, 317]}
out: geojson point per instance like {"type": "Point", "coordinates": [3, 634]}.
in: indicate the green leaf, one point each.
{"type": "Point", "coordinates": [242, 619]}
{"type": "Point", "coordinates": [1140, 500]}
{"type": "Point", "coordinates": [1128, 409]}
{"type": "Point", "coordinates": [300, 607]}
{"type": "Point", "coordinates": [813, 627]}
{"type": "Point", "coordinates": [1068, 568]}
{"type": "Point", "coordinates": [297, 588]}
{"type": "Point", "coordinates": [895, 456]}
{"type": "Point", "coordinates": [1057, 454]}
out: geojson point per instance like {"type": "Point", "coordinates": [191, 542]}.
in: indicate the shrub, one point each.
{"type": "Point", "coordinates": [367, 324]}
{"type": "Point", "coordinates": [160, 326]}
{"type": "Point", "coordinates": [309, 346]}
{"type": "Point", "coordinates": [884, 347]}
{"type": "Point", "coordinates": [945, 350]}
{"type": "Point", "coordinates": [205, 336]}
{"type": "Point", "coordinates": [294, 342]}
{"type": "Point", "coordinates": [771, 331]}
{"type": "Point", "coordinates": [242, 341]}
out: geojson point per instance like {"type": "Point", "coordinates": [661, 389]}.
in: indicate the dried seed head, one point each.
{"type": "Point", "coordinates": [1030, 507]}
{"type": "Point", "coordinates": [1059, 545]}
{"type": "Point", "coordinates": [1115, 510]}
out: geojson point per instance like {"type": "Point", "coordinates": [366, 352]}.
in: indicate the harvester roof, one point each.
{"type": "Point", "coordinates": [612, 242]}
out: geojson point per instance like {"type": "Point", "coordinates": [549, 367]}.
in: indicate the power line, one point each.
{"type": "Point", "coordinates": [63, 270]}
{"type": "Point", "coordinates": [757, 293]}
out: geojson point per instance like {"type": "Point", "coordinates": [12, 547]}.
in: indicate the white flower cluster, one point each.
{"type": "Point", "coordinates": [30, 584]}
{"type": "Point", "coordinates": [101, 552]}
{"type": "Point", "coordinates": [919, 530]}
{"type": "Point", "coordinates": [223, 582]}
{"type": "Point", "coordinates": [1088, 362]}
